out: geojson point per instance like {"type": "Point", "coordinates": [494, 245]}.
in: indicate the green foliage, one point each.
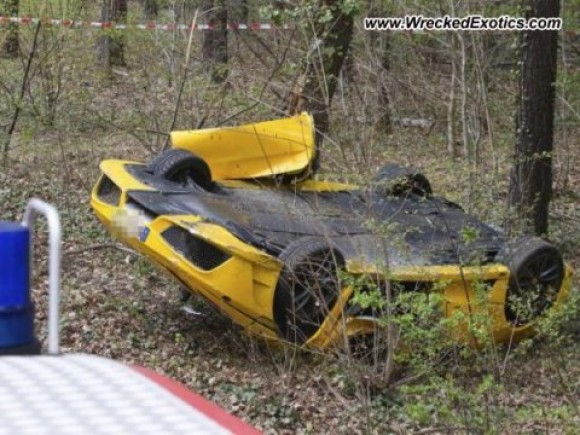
{"type": "Point", "coordinates": [436, 394]}
{"type": "Point", "coordinates": [366, 294]}
{"type": "Point", "coordinates": [560, 328]}
{"type": "Point", "coordinates": [321, 13]}
{"type": "Point", "coordinates": [469, 234]}
{"type": "Point", "coordinates": [417, 316]}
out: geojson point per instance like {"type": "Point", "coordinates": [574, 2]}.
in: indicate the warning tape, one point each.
{"type": "Point", "coordinates": [147, 26]}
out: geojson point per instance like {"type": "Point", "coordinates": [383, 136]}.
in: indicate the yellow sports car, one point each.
{"type": "Point", "coordinates": [235, 215]}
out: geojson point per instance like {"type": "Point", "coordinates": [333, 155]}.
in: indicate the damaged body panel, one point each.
{"type": "Point", "coordinates": [255, 150]}
{"type": "Point", "coordinates": [270, 255]}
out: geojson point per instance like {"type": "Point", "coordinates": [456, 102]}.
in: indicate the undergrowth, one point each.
{"type": "Point", "coordinates": [115, 304]}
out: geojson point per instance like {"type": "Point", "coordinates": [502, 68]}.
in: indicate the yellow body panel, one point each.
{"type": "Point", "coordinates": [304, 186]}
{"type": "Point", "coordinates": [240, 287]}
{"type": "Point", "coordinates": [255, 150]}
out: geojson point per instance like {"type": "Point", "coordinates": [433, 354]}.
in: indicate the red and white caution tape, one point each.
{"type": "Point", "coordinates": [146, 26]}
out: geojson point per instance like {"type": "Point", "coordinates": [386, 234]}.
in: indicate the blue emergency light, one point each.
{"type": "Point", "coordinates": [16, 308]}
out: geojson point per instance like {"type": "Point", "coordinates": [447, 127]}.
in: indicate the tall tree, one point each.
{"type": "Point", "coordinates": [239, 11]}
{"type": "Point", "coordinates": [215, 39]}
{"type": "Point", "coordinates": [111, 45]}
{"type": "Point", "coordinates": [379, 44]}
{"type": "Point", "coordinates": [10, 46]}
{"type": "Point", "coordinates": [333, 24]}
{"type": "Point", "coordinates": [150, 9]}
{"type": "Point", "coordinates": [531, 181]}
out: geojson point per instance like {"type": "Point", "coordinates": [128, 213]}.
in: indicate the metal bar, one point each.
{"type": "Point", "coordinates": [33, 208]}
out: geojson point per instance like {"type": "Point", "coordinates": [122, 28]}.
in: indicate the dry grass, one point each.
{"type": "Point", "coordinates": [116, 304]}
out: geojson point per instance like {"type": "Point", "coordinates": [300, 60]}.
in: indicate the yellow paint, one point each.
{"type": "Point", "coordinates": [282, 146]}
{"type": "Point", "coordinates": [324, 186]}
{"type": "Point", "coordinates": [115, 170]}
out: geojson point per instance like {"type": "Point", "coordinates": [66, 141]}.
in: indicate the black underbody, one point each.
{"type": "Point", "coordinates": [363, 224]}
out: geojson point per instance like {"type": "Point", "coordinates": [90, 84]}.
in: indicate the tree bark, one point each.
{"type": "Point", "coordinates": [531, 181]}
{"type": "Point", "coordinates": [10, 47]}
{"type": "Point", "coordinates": [379, 43]}
{"type": "Point", "coordinates": [150, 9]}
{"type": "Point", "coordinates": [111, 46]}
{"type": "Point", "coordinates": [315, 88]}
{"type": "Point", "coordinates": [239, 11]}
{"type": "Point", "coordinates": [451, 108]}
{"type": "Point", "coordinates": [215, 40]}
{"type": "Point", "coordinates": [384, 102]}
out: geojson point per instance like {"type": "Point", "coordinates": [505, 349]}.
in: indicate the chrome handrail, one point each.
{"type": "Point", "coordinates": [33, 208]}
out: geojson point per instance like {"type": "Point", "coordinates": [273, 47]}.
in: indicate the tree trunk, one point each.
{"type": "Point", "coordinates": [150, 9]}
{"type": "Point", "coordinates": [531, 181]}
{"type": "Point", "coordinates": [379, 43]}
{"type": "Point", "coordinates": [316, 86]}
{"type": "Point", "coordinates": [215, 40]}
{"type": "Point", "coordinates": [10, 47]}
{"type": "Point", "coordinates": [111, 45]}
{"type": "Point", "coordinates": [384, 103]}
{"type": "Point", "coordinates": [239, 11]}
{"type": "Point", "coordinates": [451, 109]}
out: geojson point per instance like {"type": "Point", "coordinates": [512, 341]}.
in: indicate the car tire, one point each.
{"type": "Point", "coordinates": [536, 274]}
{"type": "Point", "coordinates": [399, 180]}
{"type": "Point", "coordinates": [183, 167]}
{"type": "Point", "coordinates": [307, 289]}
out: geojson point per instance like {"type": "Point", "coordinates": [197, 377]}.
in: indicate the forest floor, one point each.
{"type": "Point", "coordinates": [115, 304]}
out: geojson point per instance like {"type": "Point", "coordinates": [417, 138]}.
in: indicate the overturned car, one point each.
{"type": "Point", "coordinates": [234, 215]}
